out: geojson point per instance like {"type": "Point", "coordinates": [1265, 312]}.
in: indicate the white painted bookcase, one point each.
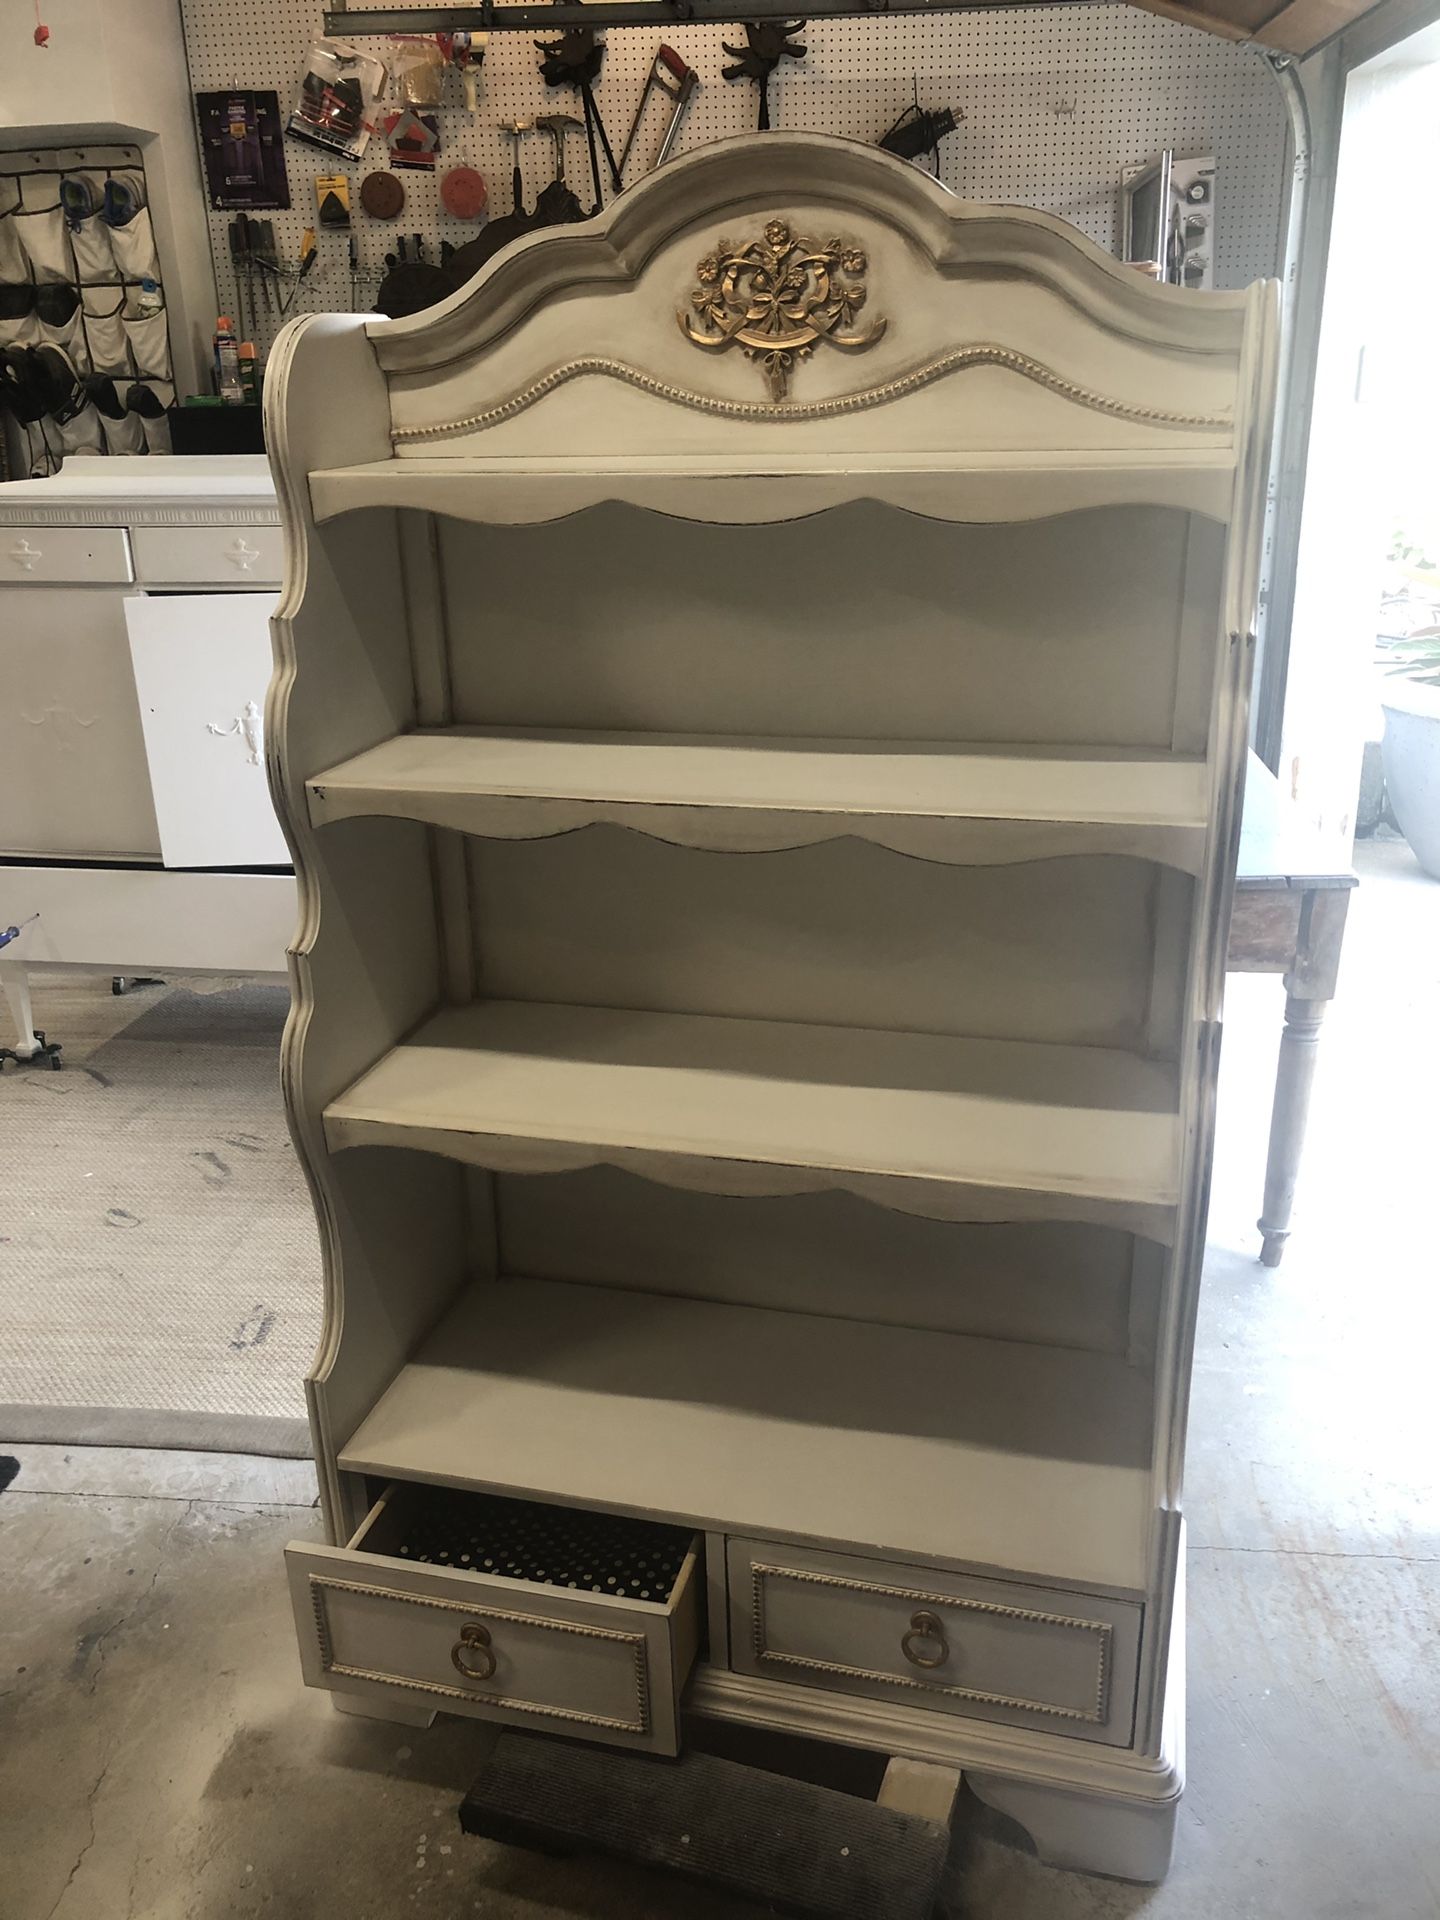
{"type": "Point", "coordinates": [764, 808]}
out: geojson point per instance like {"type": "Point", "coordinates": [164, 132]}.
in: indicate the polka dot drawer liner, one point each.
{"type": "Point", "coordinates": [551, 1546]}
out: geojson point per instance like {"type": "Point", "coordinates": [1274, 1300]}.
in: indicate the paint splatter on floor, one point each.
{"type": "Point", "coordinates": [254, 1330]}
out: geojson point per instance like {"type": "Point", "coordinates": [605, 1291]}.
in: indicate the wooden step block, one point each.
{"type": "Point", "coordinates": [795, 1848]}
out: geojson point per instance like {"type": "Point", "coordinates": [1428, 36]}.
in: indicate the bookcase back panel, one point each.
{"type": "Point", "coordinates": [1054, 1284]}
{"type": "Point", "coordinates": [843, 933]}
{"type": "Point", "coordinates": [864, 622]}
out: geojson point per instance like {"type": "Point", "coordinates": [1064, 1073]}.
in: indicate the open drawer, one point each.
{"type": "Point", "coordinates": [534, 1615]}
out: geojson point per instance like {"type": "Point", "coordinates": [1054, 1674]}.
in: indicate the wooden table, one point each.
{"type": "Point", "coordinates": [1291, 899]}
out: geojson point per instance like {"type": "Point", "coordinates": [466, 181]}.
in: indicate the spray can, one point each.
{"type": "Point", "coordinates": [250, 373]}
{"type": "Point", "coordinates": [227, 363]}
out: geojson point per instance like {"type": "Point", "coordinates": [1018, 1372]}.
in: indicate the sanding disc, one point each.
{"type": "Point", "coordinates": [463, 191]}
{"type": "Point", "coordinates": [382, 196]}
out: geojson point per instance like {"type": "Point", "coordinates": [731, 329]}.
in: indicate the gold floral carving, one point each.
{"type": "Point", "coordinates": [776, 298]}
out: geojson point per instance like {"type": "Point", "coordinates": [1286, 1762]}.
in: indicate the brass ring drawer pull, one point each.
{"type": "Point", "coordinates": [474, 1643]}
{"type": "Point", "coordinates": [923, 1627]}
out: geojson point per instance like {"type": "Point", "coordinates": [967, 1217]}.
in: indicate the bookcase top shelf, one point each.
{"type": "Point", "coordinates": [933, 800]}
{"type": "Point", "coordinates": [929, 1123]}
{"type": "Point", "coordinates": [755, 489]}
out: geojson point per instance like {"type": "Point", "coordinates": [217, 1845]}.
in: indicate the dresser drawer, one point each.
{"type": "Point", "coordinates": [50, 556]}
{"type": "Point", "coordinates": [209, 556]}
{"type": "Point", "coordinates": [988, 1649]}
{"type": "Point", "coordinates": [532, 1615]}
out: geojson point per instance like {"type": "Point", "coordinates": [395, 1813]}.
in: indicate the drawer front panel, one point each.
{"type": "Point", "coordinates": [500, 1650]}
{"type": "Point", "coordinates": [587, 1675]}
{"type": "Point", "coordinates": [993, 1650]}
{"type": "Point", "coordinates": [209, 556]}
{"type": "Point", "coordinates": [50, 556]}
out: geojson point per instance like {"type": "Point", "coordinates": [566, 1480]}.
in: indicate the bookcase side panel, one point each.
{"type": "Point", "coordinates": [365, 961]}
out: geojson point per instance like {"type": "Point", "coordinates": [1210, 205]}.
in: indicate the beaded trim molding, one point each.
{"type": "Point", "coordinates": [765, 1655]}
{"type": "Point", "coordinates": [983, 354]}
{"type": "Point", "coordinates": [634, 1644]}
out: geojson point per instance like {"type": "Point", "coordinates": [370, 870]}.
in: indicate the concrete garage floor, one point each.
{"type": "Point", "coordinates": [159, 1760]}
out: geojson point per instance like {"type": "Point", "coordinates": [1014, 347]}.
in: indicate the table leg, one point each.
{"type": "Point", "coordinates": [1299, 1047]}
{"type": "Point", "coordinates": [1309, 989]}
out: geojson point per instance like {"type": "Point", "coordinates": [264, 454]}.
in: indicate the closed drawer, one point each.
{"type": "Point", "coordinates": [989, 1649]}
{"type": "Point", "coordinates": [532, 1615]}
{"type": "Point", "coordinates": [45, 556]}
{"type": "Point", "coordinates": [209, 556]}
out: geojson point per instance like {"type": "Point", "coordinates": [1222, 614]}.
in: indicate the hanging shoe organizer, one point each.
{"type": "Point", "coordinates": [76, 246]}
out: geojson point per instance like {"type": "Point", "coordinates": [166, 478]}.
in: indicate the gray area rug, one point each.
{"type": "Point", "coordinates": [159, 1267]}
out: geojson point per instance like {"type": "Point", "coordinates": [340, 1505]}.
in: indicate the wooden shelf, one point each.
{"type": "Point", "coordinates": [933, 800]}
{"type": "Point", "coordinates": [1014, 484]}
{"type": "Point", "coordinates": [951, 1128]}
{"type": "Point", "coordinates": [940, 1446]}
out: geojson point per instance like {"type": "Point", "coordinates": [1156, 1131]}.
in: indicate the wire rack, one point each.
{"type": "Point", "coordinates": [1057, 102]}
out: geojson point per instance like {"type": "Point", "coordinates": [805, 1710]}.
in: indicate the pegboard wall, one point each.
{"type": "Point", "coordinates": [1057, 101]}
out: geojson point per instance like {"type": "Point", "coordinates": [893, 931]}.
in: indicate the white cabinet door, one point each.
{"type": "Point", "coordinates": [73, 775]}
{"type": "Point", "coordinates": [202, 663]}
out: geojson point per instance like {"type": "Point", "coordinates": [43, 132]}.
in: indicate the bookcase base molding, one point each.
{"type": "Point", "coordinates": [764, 793]}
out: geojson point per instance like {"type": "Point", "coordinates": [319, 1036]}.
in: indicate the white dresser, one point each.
{"type": "Point", "coordinates": [134, 653]}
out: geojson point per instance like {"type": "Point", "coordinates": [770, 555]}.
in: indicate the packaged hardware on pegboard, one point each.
{"type": "Point", "coordinates": [241, 147]}
{"type": "Point", "coordinates": [338, 92]}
